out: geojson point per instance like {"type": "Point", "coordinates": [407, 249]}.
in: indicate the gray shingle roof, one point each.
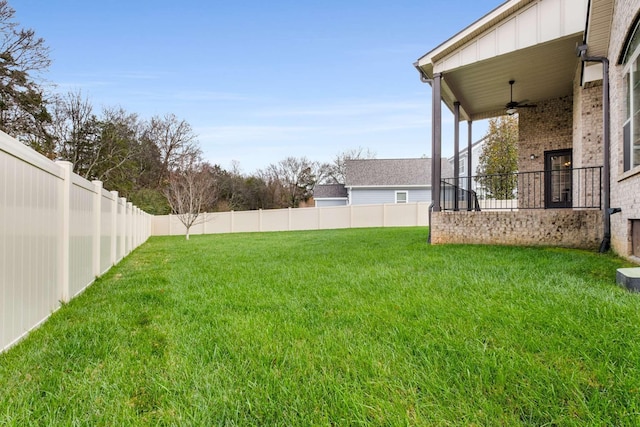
{"type": "Point", "coordinates": [391, 172]}
{"type": "Point", "coordinates": [329, 191]}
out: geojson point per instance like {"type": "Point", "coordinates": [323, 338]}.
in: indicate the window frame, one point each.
{"type": "Point", "coordinates": [406, 196]}
{"type": "Point", "coordinates": [631, 72]}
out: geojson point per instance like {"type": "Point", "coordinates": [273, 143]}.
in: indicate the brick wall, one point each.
{"type": "Point", "coordinates": [587, 135]}
{"type": "Point", "coordinates": [547, 127]}
{"type": "Point", "coordinates": [625, 187]}
{"type": "Point", "coordinates": [554, 227]}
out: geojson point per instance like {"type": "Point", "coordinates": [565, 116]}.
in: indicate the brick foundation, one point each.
{"type": "Point", "coordinates": [554, 227]}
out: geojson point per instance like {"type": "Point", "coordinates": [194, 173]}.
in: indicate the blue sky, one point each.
{"type": "Point", "coordinates": [260, 80]}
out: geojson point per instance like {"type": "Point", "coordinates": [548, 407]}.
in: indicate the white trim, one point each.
{"type": "Point", "coordinates": [503, 30]}
{"type": "Point", "coordinates": [406, 193]}
{"type": "Point", "coordinates": [468, 31]}
{"type": "Point", "coordinates": [628, 70]}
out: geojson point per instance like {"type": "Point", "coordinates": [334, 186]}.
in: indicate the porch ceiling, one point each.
{"type": "Point", "coordinates": [529, 41]}
{"type": "Point", "coordinates": [540, 72]}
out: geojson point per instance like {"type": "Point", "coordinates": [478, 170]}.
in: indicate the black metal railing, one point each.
{"type": "Point", "coordinates": [455, 198]}
{"type": "Point", "coordinates": [578, 188]}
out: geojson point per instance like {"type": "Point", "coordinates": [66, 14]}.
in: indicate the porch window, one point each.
{"type": "Point", "coordinates": [631, 130]}
{"type": "Point", "coordinates": [402, 197]}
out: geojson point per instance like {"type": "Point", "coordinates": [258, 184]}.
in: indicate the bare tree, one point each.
{"type": "Point", "coordinates": [74, 129]}
{"type": "Point", "coordinates": [118, 145]}
{"type": "Point", "coordinates": [189, 191]}
{"type": "Point", "coordinates": [295, 177]}
{"type": "Point", "coordinates": [176, 142]}
{"type": "Point", "coordinates": [334, 173]}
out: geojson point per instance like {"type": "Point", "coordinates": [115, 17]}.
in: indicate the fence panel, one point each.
{"type": "Point", "coordinates": [160, 225]}
{"type": "Point", "coordinates": [175, 226]}
{"type": "Point", "coordinates": [81, 227]}
{"type": "Point", "coordinates": [107, 206]}
{"type": "Point", "coordinates": [324, 218]}
{"type": "Point", "coordinates": [274, 220]}
{"type": "Point", "coordinates": [121, 228]}
{"type": "Point", "coordinates": [303, 219]}
{"type": "Point", "coordinates": [219, 222]}
{"type": "Point", "coordinates": [246, 221]}
{"type": "Point", "coordinates": [29, 239]}
{"type": "Point", "coordinates": [334, 217]}
{"type": "Point", "coordinates": [55, 236]}
{"type": "Point", "coordinates": [367, 216]}
{"type": "Point", "coordinates": [402, 215]}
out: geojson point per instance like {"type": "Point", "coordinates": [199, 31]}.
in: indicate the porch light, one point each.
{"type": "Point", "coordinates": [512, 111]}
{"type": "Point", "coordinates": [533, 157]}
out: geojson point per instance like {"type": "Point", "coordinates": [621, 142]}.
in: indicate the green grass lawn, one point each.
{"type": "Point", "coordinates": [349, 327]}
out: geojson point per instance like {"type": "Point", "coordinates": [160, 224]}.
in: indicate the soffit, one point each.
{"type": "Point", "coordinates": [531, 42]}
{"type": "Point", "coordinates": [599, 27]}
{"type": "Point", "coordinates": [540, 72]}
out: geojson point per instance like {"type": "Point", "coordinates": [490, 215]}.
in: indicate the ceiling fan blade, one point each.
{"type": "Point", "coordinates": [512, 105]}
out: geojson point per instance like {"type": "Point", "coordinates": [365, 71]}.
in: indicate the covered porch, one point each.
{"type": "Point", "coordinates": [521, 58]}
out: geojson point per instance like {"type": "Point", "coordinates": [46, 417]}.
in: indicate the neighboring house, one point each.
{"type": "Point", "coordinates": [561, 65]}
{"type": "Point", "coordinates": [464, 168]}
{"type": "Point", "coordinates": [375, 181]}
{"type": "Point", "coordinates": [330, 195]}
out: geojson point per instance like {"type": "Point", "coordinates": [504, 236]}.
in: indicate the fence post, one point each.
{"type": "Point", "coordinates": [67, 168]}
{"type": "Point", "coordinates": [127, 230]}
{"type": "Point", "coordinates": [232, 221]}
{"type": "Point", "coordinates": [122, 229]}
{"type": "Point", "coordinates": [350, 216]}
{"type": "Point", "coordinates": [384, 214]}
{"type": "Point", "coordinates": [204, 223]}
{"type": "Point", "coordinates": [134, 228]}
{"type": "Point", "coordinates": [114, 228]}
{"type": "Point", "coordinates": [97, 226]}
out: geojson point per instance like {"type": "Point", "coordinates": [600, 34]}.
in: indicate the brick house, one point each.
{"type": "Point", "coordinates": [567, 68]}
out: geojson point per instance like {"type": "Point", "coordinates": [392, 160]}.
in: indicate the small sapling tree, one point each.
{"type": "Point", "coordinates": [189, 191]}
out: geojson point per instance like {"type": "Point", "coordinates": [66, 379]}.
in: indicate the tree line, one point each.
{"type": "Point", "coordinates": [152, 162]}
{"type": "Point", "coordinates": [156, 163]}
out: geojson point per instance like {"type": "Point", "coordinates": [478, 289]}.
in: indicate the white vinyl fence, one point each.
{"type": "Point", "coordinates": [58, 232]}
{"type": "Point", "coordinates": [354, 216]}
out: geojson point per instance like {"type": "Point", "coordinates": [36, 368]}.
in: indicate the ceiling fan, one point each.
{"type": "Point", "coordinates": [512, 106]}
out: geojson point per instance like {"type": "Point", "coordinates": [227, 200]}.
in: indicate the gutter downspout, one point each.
{"type": "Point", "coordinates": [430, 211]}
{"type": "Point", "coordinates": [581, 50]}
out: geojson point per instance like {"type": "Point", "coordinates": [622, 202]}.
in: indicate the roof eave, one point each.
{"type": "Point", "coordinates": [469, 32]}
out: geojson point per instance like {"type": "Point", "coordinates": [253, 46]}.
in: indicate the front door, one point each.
{"type": "Point", "coordinates": [558, 179]}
